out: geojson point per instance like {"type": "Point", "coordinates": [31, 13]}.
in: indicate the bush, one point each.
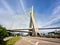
{"type": "Point", "coordinates": [3, 33]}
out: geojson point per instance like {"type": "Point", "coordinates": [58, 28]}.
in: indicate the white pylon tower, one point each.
{"type": "Point", "coordinates": [33, 23]}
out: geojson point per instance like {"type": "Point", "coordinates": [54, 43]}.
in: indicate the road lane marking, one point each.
{"type": "Point", "coordinates": [30, 41]}
{"type": "Point", "coordinates": [36, 43]}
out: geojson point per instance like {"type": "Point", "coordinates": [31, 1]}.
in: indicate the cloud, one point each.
{"type": "Point", "coordinates": [55, 16]}
{"type": "Point", "coordinates": [13, 21]}
{"type": "Point", "coordinates": [56, 10]}
{"type": "Point", "coordinates": [7, 6]}
{"type": "Point", "coordinates": [10, 20]}
{"type": "Point", "coordinates": [22, 4]}
{"type": "Point", "coordinates": [53, 21]}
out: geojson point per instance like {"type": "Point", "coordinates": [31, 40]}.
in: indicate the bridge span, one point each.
{"type": "Point", "coordinates": [32, 26]}
{"type": "Point", "coordinates": [30, 29]}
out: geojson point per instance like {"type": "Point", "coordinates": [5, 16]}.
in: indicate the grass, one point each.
{"type": "Point", "coordinates": [12, 40]}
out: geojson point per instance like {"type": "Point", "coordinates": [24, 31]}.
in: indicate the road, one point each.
{"type": "Point", "coordinates": [55, 40]}
{"type": "Point", "coordinates": [37, 41]}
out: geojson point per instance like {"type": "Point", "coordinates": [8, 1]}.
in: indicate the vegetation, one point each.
{"type": "Point", "coordinates": [10, 34]}
{"type": "Point", "coordinates": [54, 34]}
{"type": "Point", "coordinates": [51, 35]}
{"type": "Point", "coordinates": [3, 33]}
{"type": "Point", "coordinates": [12, 40]}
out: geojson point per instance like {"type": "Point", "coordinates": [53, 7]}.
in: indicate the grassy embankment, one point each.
{"type": "Point", "coordinates": [12, 40]}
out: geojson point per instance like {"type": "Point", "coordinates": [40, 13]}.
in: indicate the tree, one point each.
{"type": "Point", "coordinates": [3, 33]}
{"type": "Point", "coordinates": [10, 34]}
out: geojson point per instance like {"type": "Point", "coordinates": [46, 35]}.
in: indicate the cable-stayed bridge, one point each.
{"type": "Point", "coordinates": [33, 28]}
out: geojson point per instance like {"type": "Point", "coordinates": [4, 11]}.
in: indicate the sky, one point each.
{"type": "Point", "coordinates": [14, 14]}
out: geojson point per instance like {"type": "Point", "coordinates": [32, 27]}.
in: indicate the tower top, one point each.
{"type": "Point", "coordinates": [32, 10]}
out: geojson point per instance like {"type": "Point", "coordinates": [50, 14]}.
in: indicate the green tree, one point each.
{"type": "Point", "coordinates": [3, 33]}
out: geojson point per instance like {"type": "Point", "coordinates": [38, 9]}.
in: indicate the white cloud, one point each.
{"type": "Point", "coordinates": [8, 18]}
{"type": "Point", "coordinates": [55, 16]}
{"type": "Point", "coordinates": [22, 4]}
{"type": "Point", "coordinates": [16, 21]}
{"type": "Point", "coordinates": [11, 20]}
{"type": "Point", "coordinates": [56, 10]}
{"type": "Point", "coordinates": [7, 6]}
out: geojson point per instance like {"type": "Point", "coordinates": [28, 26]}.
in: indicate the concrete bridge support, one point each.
{"type": "Point", "coordinates": [33, 23]}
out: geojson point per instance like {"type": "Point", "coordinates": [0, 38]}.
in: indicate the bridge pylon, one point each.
{"type": "Point", "coordinates": [33, 23]}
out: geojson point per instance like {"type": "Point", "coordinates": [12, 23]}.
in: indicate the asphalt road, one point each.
{"type": "Point", "coordinates": [55, 40]}
{"type": "Point", "coordinates": [37, 41]}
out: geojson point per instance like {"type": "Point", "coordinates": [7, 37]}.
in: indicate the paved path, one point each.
{"type": "Point", "coordinates": [7, 38]}
{"type": "Point", "coordinates": [31, 41]}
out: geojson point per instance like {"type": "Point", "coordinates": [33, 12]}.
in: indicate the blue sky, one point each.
{"type": "Point", "coordinates": [15, 13]}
